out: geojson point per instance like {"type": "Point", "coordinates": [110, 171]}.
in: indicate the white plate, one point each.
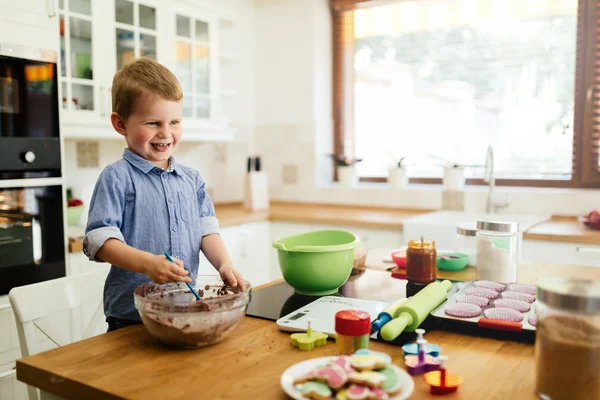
{"type": "Point", "coordinates": [296, 370]}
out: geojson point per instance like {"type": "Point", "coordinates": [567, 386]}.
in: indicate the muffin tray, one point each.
{"type": "Point", "coordinates": [491, 305]}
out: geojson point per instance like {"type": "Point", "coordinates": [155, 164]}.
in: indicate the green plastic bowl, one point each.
{"type": "Point", "coordinates": [452, 264]}
{"type": "Point", "coordinates": [317, 263]}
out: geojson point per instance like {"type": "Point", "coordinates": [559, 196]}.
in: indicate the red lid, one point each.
{"type": "Point", "coordinates": [352, 323]}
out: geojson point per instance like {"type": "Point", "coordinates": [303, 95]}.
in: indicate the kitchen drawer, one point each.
{"type": "Point", "coordinates": [561, 253]}
{"type": "Point", "coordinates": [9, 338]}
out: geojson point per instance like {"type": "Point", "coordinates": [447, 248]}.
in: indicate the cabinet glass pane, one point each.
{"type": "Point", "coordinates": [187, 106]}
{"type": "Point", "coordinates": [65, 103]}
{"type": "Point", "coordinates": [147, 17]}
{"type": "Point", "coordinates": [81, 48]}
{"type": "Point", "coordinates": [61, 4]}
{"type": "Point", "coordinates": [148, 46]}
{"type": "Point", "coordinates": [202, 107]}
{"type": "Point", "coordinates": [81, 6]}
{"type": "Point", "coordinates": [201, 31]}
{"type": "Point", "coordinates": [125, 47]}
{"type": "Point", "coordinates": [183, 65]}
{"type": "Point", "coordinates": [83, 97]}
{"type": "Point", "coordinates": [63, 49]}
{"type": "Point", "coordinates": [201, 73]}
{"type": "Point", "coordinates": [183, 26]}
{"type": "Point", "coordinates": [124, 11]}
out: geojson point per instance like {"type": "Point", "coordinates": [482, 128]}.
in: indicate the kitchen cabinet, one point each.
{"type": "Point", "coordinates": [30, 23]}
{"type": "Point", "coordinates": [10, 388]}
{"type": "Point", "coordinates": [98, 37]}
{"type": "Point", "coordinates": [561, 253]}
{"type": "Point", "coordinates": [370, 237]}
{"type": "Point", "coordinates": [249, 247]}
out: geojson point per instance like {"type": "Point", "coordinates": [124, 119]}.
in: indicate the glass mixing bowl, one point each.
{"type": "Point", "coordinates": [172, 314]}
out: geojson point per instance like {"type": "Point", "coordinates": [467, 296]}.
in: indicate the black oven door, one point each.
{"type": "Point", "coordinates": [31, 236]}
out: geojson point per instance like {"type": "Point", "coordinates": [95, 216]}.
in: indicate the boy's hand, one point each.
{"type": "Point", "coordinates": [161, 270]}
{"type": "Point", "coordinates": [231, 276]}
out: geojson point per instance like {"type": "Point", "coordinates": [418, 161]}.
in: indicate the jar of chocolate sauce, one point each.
{"type": "Point", "coordinates": [421, 261]}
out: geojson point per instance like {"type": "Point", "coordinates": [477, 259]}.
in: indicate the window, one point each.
{"type": "Point", "coordinates": [439, 81]}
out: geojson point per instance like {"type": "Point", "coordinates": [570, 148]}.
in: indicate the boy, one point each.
{"type": "Point", "coordinates": [147, 203]}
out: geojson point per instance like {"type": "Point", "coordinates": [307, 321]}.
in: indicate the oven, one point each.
{"type": "Point", "coordinates": [32, 237]}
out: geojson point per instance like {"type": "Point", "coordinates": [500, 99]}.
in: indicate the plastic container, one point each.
{"type": "Point", "coordinates": [567, 347]}
{"type": "Point", "coordinates": [352, 328]}
{"type": "Point", "coordinates": [421, 261]}
{"type": "Point", "coordinates": [467, 242]}
{"type": "Point", "coordinates": [171, 313]}
{"type": "Point", "coordinates": [497, 251]}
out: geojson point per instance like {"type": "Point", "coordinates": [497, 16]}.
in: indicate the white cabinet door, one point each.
{"type": "Point", "coordinates": [370, 237]}
{"type": "Point", "coordinates": [10, 387]}
{"type": "Point", "coordinates": [256, 244]}
{"type": "Point", "coordinates": [84, 84]}
{"type": "Point", "coordinates": [561, 253]}
{"type": "Point", "coordinates": [30, 23]}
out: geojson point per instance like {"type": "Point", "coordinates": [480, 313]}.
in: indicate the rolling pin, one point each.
{"type": "Point", "coordinates": [386, 315]}
{"type": "Point", "coordinates": [409, 315]}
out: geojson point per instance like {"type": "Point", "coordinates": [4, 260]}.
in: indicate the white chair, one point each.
{"type": "Point", "coordinates": [33, 303]}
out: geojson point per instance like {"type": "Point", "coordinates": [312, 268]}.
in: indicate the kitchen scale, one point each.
{"type": "Point", "coordinates": [322, 312]}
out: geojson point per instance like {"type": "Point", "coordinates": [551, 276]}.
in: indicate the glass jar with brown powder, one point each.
{"type": "Point", "coordinates": [567, 346]}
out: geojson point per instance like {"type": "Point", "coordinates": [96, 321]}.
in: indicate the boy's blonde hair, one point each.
{"type": "Point", "coordinates": [142, 76]}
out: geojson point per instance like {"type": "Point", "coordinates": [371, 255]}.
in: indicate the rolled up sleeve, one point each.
{"type": "Point", "coordinates": [208, 218]}
{"type": "Point", "coordinates": [106, 212]}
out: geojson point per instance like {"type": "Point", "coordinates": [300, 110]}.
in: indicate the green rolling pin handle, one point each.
{"type": "Point", "coordinates": [395, 327]}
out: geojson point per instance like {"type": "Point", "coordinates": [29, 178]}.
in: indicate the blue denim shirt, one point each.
{"type": "Point", "coordinates": [152, 210]}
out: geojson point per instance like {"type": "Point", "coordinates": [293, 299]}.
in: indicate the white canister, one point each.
{"type": "Point", "coordinates": [347, 176]}
{"type": "Point", "coordinates": [497, 251]}
{"type": "Point", "coordinates": [454, 178]}
{"type": "Point", "coordinates": [398, 178]}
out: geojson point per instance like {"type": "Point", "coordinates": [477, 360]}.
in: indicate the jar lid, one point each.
{"type": "Point", "coordinates": [421, 244]}
{"type": "Point", "coordinates": [580, 295]}
{"type": "Point", "coordinates": [352, 323]}
{"type": "Point", "coordinates": [467, 230]}
{"type": "Point", "coordinates": [498, 226]}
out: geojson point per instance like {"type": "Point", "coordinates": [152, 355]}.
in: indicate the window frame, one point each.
{"type": "Point", "coordinates": [585, 170]}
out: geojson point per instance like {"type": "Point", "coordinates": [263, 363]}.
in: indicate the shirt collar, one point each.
{"type": "Point", "coordinates": [146, 166]}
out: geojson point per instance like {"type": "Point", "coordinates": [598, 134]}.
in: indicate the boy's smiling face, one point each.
{"type": "Point", "coordinates": [153, 130]}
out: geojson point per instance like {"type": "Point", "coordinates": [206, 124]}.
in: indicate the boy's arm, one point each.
{"type": "Point", "coordinates": [104, 240]}
{"type": "Point", "coordinates": [157, 267]}
{"type": "Point", "coordinates": [212, 244]}
{"type": "Point", "coordinates": [214, 249]}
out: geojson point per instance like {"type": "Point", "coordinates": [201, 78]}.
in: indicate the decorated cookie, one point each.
{"type": "Point", "coordinates": [344, 363]}
{"type": "Point", "coordinates": [333, 376]}
{"type": "Point", "coordinates": [367, 360]}
{"type": "Point", "coordinates": [367, 378]}
{"type": "Point", "coordinates": [392, 385]}
{"type": "Point", "coordinates": [359, 392]}
{"type": "Point", "coordinates": [315, 390]}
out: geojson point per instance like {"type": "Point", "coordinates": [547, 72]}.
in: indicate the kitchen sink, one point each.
{"type": "Point", "coordinates": [441, 225]}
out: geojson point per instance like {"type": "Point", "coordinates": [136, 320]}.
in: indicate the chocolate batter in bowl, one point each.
{"type": "Point", "coordinates": [172, 314]}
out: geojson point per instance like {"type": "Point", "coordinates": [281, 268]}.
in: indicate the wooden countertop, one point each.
{"type": "Point", "coordinates": [563, 229]}
{"type": "Point", "coordinates": [129, 363]}
{"type": "Point", "coordinates": [557, 229]}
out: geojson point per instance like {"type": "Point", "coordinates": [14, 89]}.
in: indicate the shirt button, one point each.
{"type": "Point", "coordinates": [175, 228]}
{"type": "Point", "coordinates": [164, 175]}
{"type": "Point", "coordinates": [170, 199]}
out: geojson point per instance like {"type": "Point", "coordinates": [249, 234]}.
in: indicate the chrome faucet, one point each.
{"type": "Point", "coordinates": [488, 177]}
